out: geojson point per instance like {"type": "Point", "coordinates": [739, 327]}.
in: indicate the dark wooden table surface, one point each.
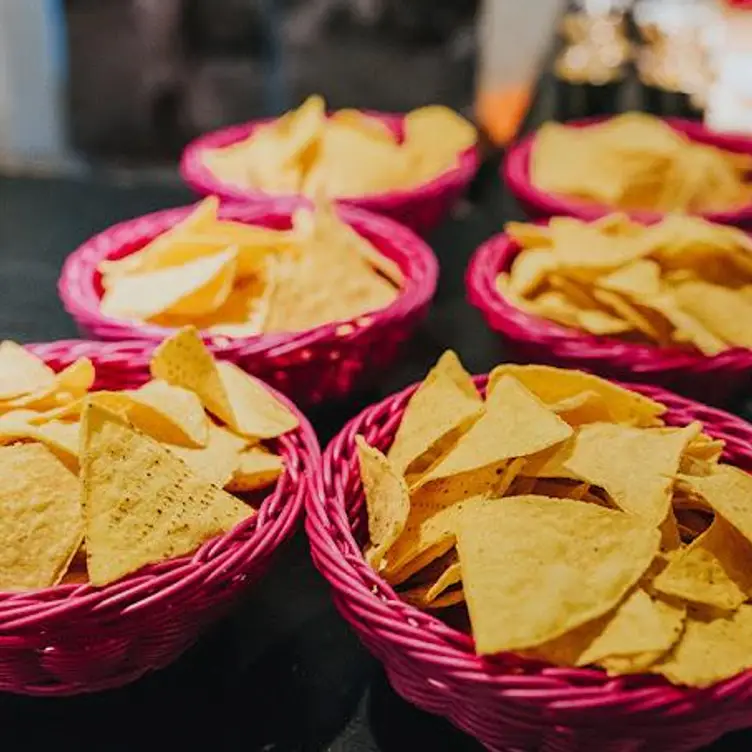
{"type": "Point", "coordinates": [284, 673]}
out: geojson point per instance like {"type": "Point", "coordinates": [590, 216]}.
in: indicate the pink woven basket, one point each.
{"type": "Point", "coordinates": [73, 638]}
{"type": "Point", "coordinates": [506, 702]}
{"type": "Point", "coordinates": [715, 379]}
{"type": "Point", "coordinates": [420, 208]}
{"type": "Point", "coordinates": [540, 204]}
{"type": "Point", "coordinates": [326, 362]}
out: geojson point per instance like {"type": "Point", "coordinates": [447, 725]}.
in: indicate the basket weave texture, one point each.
{"type": "Point", "coordinates": [327, 362]}
{"type": "Point", "coordinates": [715, 379]}
{"type": "Point", "coordinates": [508, 703]}
{"type": "Point", "coordinates": [540, 204]}
{"type": "Point", "coordinates": [421, 208]}
{"type": "Point", "coordinates": [77, 638]}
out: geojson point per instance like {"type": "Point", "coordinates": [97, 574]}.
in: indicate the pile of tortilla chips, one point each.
{"type": "Point", "coordinates": [240, 280]}
{"type": "Point", "coordinates": [682, 282]}
{"type": "Point", "coordinates": [97, 484]}
{"type": "Point", "coordinates": [346, 154]}
{"type": "Point", "coordinates": [572, 523]}
{"type": "Point", "coordinates": [637, 162]}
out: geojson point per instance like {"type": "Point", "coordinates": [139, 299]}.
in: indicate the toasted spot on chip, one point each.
{"type": "Point", "coordinates": [142, 504]}
{"type": "Point", "coordinates": [40, 517]}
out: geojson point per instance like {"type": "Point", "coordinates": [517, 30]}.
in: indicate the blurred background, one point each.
{"type": "Point", "coordinates": [133, 80]}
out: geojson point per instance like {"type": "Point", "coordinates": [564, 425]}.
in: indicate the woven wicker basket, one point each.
{"type": "Point", "coordinates": [539, 204]}
{"type": "Point", "coordinates": [326, 362]}
{"type": "Point", "coordinates": [421, 208]}
{"type": "Point", "coordinates": [506, 702]}
{"type": "Point", "coordinates": [715, 379]}
{"type": "Point", "coordinates": [77, 638]}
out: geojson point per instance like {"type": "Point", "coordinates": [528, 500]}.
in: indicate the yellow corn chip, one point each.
{"type": "Point", "coordinates": [515, 424]}
{"type": "Point", "coordinates": [149, 256]}
{"type": "Point", "coordinates": [70, 384]}
{"type": "Point", "coordinates": [554, 384]}
{"type": "Point", "coordinates": [40, 518]}
{"type": "Point", "coordinates": [712, 649]}
{"type": "Point", "coordinates": [257, 468]}
{"type": "Point", "coordinates": [227, 392]}
{"type": "Point", "coordinates": [714, 570]}
{"type": "Point", "coordinates": [61, 439]}
{"type": "Point", "coordinates": [634, 466]}
{"type": "Point", "coordinates": [218, 460]}
{"type": "Point", "coordinates": [21, 372]}
{"type": "Point", "coordinates": [167, 413]}
{"type": "Point", "coordinates": [555, 564]}
{"type": "Point", "coordinates": [142, 504]}
{"type": "Point", "coordinates": [197, 287]}
{"type": "Point", "coordinates": [440, 411]}
{"type": "Point", "coordinates": [387, 501]}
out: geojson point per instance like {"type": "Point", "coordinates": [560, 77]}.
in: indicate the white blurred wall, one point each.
{"type": "Point", "coordinates": [31, 80]}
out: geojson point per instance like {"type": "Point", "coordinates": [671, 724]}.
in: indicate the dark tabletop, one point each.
{"type": "Point", "coordinates": [284, 673]}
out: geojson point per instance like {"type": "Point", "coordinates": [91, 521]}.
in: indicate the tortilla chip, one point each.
{"type": "Point", "coordinates": [634, 466]}
{"type": "Point", "coordinates": [439, 412]}
{"type": "Point", "coordinates": [218, 460]}
{"type": "Point", "coordinates": [141, 503]}
{"type": "Point", "coordinates": [226, 391]}
{"type": "Point", "coordinates": [712, 649]}
{"type": "Point", "coordinates": [69, 385]}
{"type": "Point", "coordinates": [555, 564]}
{"type": "Point", "coordinates": [387, 500]}
{"type": "Point", "coordinates": [196, 287]}
{"type": "Point", "coordinates": [257, 468]}
{"type": "Point", "coordinates": [552, 385]}
{"type": "Point", "coordinates": [515, 424]}
{"type": "Point", "coordinates": [40, 517]}
{"type": "Point", "coordinates": [22, 372]}
{"type": "Point", "coordinates": [714, 570]}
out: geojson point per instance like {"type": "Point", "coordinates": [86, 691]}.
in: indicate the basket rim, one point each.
{"type": "Point", "coordinates": [515, 170]}
{"type": "Point", "coordinates": [444, 652]}
{"type": "Point", "coordinates": [27, 614]}
{"type": "Point", "coordinates": [77, 284]}
{"type": "Point", "coordinates": [202, 180]}
{"type": "Point", "coordinates": [496, 255]}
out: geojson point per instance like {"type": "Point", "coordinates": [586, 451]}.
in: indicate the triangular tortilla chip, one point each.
{"type": "Point", "coordinates": [70, 384]}
{"type": "Point", "coordinates": [142, 504]}
{"type": "Point", "coordinates": [555, 564]}
{"type": "Point", "coordinates": [711, 649]}
{"type": "Point", "coordinates": [195, 288]}
{"type": "Point", "coordinates": [438, 413]}
{"type": "Point", "coordinates": [232, 395]}
{"type": "Point", "coordinates": [217, 461]}
{"type": "Point", "coordinates": [714, 570]}
{"type": "Point", "coordinates": [387, 500]}
{"type": "Point", "coordinates": [257, 468]}
{"type": "Point", "coordinates": [40, 517]}
{"type": "Point", "coordinates": [515, 424]}
{"type": "Point", "coordinates": [635, 466]}
{"type": "Point", "coordinates": [551, 385]}
{"type": "Point", "coordinates": [22, 372]}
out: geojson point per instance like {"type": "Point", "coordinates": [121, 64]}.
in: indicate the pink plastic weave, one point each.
{"type": "Point", "coordinates": [539, 204]}
{"type": "Point", "coordinates": [78, 638]}
{"type": "Point", "coordinates": [715, 379]}
{"type": "Point", "coordinates": [421, 208]}
{"type": "Point", "coordinates": [508, 703]}
{"type": "Point", "coordinates": [327, 362]}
